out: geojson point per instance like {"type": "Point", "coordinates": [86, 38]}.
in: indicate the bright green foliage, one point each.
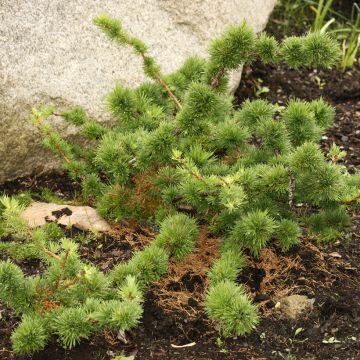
{"type": "Point", "coordinates": [72, 325]}
{"type": "Point", "coordinates": [267, 48]}
{"type": "Point", "coordinates": [92, 186]}
{"type": "Point", "coordinates": [121, 314]}
{"type": "Point", "coordinates": [230, 135]}
{"type": "Point", "coordinates": [320, 16]}
{"type": "Point", "coordinates": [275, 180]}
{"type": "Point", "coordinates": [176, 239]}
{"type": "Point", "coordinates": [125, 105]}
{"type": "Point", "coordinates": [111, 202]}
{"type": "Point", "coordinates": [126, 316]}
{"type": "Point", "coordinates": [157, 146]}
{"type": "Point", "coordinates": [112, 157]}
{"type": "Point", "coordinates": [92, 130]}
{"type": "Point", "coordinates": [329, 187]}
{"type": "Point", "coordinates": [288, 234]}
{"type": "Point", "coordinates": [192, 71]}
{"type": "Point", "coordinates": [275, 137]}
{"type": "Point", "coordinates": [318, 181]}
{"type": "Point", "coordinates": [130, 290]}
{"type": "Point", "coordinates": [353, 190]}
{"type": "Point", "coordinates": [253, 231]}
{"type": "Point", "coordinates": [121, 272]}
{"type": "Point", "coordinates": [227, 267]}
{"type": "Point", "coordinates": [328, 223]}
{"type": "Point", "coordinates": [322, 9]}
{"type": "Point", "coordinates": [113, 29]}
{"type": "Point", "coordinates": [307, 158]}
{"type": "Point", "coordinates": [320, 49]}
{"type": "Point", "coordinates": [178, 235]}
{"type": "Point", "coordinates": [235, 47]}
{"type": "Point", "coordinates": [11, 209]}
{"type": "Point", "coordinates": [203, 107]}
{"type": "Point", "coordinates": [76, 116]}
{"type": "Point", "coordinates": [323, 112]}
{"type": "Point", "coordinates": [39, 239]}
{"type": "Point", "coordinates": [228, 304]}
{"type": "Point", "coordinates": [58, 302]}
{"type": "Point", "coordinates": [293, 51]}
{"type": "Point", "coordinates": [335, 153]}
{"type": "Point", "coordinates": [300, 122]}
{"type": "Point", "coordinates": [15, 291]}
{"type": "Point", "coordinates": [70, 299]}
{"type": "Point", "coordinates": [254, 113]}
{"type": "Point", "coordinates": [150, 263]}
{"type": "Point", "coordinates": [180, 146]}
{"type": "Point", "coordinates": [51, 231]}
{"type": "Point", "coordinates": [30, 335]}
{"type": "Point", "coordinates": [314, 49]}
{"type": "Point", "coordinates": [27, 251]}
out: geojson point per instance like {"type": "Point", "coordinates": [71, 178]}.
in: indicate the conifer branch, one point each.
{"type": "Point", "coordinates": [47, 252]}
{"type": "Point", "coordinates": [215, 81]}
{"type": "Point", "coordinates": [65, 260]}
{"type": "Point", "coordinates": [113, 29]}
{"type": "Point", "coordinates": [62, 267]}
{"type": "Point", "coordinates": [38, 117]}
{"type": "Point", "coordinates": [62, 154]}
{"type": "Point", "coordinates": [163, 84]}
{"type": "Point", "coordinates": [51, 254]}
{"type": "Point", "coordinates": [291, 190]}
{"type": "Point", "coordinates": [74, 281]}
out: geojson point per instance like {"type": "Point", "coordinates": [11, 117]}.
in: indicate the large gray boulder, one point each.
{"type": "Point", "coordinates": [50, 52]}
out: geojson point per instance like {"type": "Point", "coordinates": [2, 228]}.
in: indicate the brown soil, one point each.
{"type": "Point", "coordinates": [173, 307]}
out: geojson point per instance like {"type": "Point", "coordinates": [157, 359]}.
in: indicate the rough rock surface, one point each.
{"type": "Point", "coordinates": [294, 305]}
{"type": "Point", "coordinates": [50, 52]}
{"type": "Point", "coordinates": [82, 217]}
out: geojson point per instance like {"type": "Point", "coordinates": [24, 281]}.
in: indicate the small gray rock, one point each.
{"type": "Point", "coordinates": [294, 305]}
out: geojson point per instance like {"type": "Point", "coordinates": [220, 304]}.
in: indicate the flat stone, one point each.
{"type": "Point", "coordinates": [52, 53]}
{"type": "Point", "coordinates": [295, 305]}
{"type": "Point", "coordinates": [81, 217]}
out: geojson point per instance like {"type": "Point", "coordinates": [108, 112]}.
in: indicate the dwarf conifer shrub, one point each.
{"type": "Point", "coordinates": [179, 146]}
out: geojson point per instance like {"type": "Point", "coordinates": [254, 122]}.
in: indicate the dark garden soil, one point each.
{"type": "Point", "coordinates": [58, 183]}
{"type": "Point", "coordinates": [174, 314]}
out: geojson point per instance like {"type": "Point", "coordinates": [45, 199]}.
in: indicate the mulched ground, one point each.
{"type": "Point", "coordinates": [173, 308]}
